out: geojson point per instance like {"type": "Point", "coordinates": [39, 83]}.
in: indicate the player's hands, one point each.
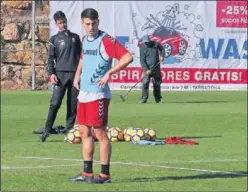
{"type": "Point", "coordinates": [102, 82]}
{"type": "Point", "coordinates": [76, 82]}
{"type": "Point", "coordinates": [53, 79]}
{"type": "Point", "coordinates": [161, 59]}
{"type": "Point", "coordinates": [148, 72]}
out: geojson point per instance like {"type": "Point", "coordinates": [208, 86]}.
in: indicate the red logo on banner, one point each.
{"type": "Point", "coordinates": [231, 14]}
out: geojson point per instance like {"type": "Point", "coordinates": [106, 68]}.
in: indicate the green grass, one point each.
{"type": "Point", "coordinates": [217, 120]}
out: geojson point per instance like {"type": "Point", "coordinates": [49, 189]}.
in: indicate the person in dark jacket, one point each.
{"type": "Point", "coordinates": [63, 59]}
{"type": "Point", "coordinates": [151, 54]}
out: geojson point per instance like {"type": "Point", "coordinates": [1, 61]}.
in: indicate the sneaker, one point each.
{"type": "Point", "coordinates": [82, 177]}
{"type": "Point", "coordinates": [44, 136]}
{"type": "Point", "coordinates": [101, 179]}
{"type": "Point", "coordinates": [143, 101]}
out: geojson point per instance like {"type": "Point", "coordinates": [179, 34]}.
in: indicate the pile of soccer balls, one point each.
{"type": "Point", "coordinates": [115, 134]}
{"type": "Point", "coordinates": [131, 134]}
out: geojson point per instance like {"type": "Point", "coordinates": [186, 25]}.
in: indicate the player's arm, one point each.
{"type": "Point", "coordinates": [143, 59]}
{"type": "Point", "coordinates": [161, 52]}
{"type": "Point", "coordinates": [50, 61]}
{"type": "Point", "coordinates": [76, 80]}
{"type": "Point", "coordinates": [79, 49]}
{"type": "Point", "coordinates": [123, 62]}
{"type": "Point", "coordinates": [116, 51]}
{"type": "Point", "coordinates": [78, 74]}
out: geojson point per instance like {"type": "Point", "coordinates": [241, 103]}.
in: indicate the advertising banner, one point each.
{"type": "Point", "coordinates": [205, 41]}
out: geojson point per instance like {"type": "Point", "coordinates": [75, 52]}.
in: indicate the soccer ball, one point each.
{"type": "Point", "coordinates": [73, 136]}
{"type": "Point", "coordinates": [115, 134]}
{"type": "Point", "coordinates": [137, 134]}
{"type": "Point", "coordinates": [128, 133]}
{"type": "Point", "coordinates": [150, 134]}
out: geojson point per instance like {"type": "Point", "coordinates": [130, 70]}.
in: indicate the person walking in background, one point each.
{"type": "Point", "coordinates": [63, 59]}
{"type": "Point", "coordinates": [151, 54]}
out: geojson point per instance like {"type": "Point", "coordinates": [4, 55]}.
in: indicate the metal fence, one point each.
{"type": "Point", "coordinates": [24, 44]}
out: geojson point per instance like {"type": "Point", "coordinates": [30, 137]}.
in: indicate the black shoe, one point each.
{"type": "Point", "coordinates": [143, 101]}
{"type": "Point", "coordinates": [40, 131]}
{"type": "Point", "coordinates": [101, 179]}
{"type": "Point", "coordinates": [82, 177]}
{"type": "Point", "coordinates": [44, 136]}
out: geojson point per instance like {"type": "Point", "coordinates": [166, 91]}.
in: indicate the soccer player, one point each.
{"type": "Point", "coordinates": [151, 54]}
{"type": "Point", "coordinates": [64, 55]}
{"type": "Point", "coordinates": [93, 73]}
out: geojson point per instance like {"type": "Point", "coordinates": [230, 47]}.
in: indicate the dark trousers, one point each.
{"type": "Point", "coordinates": [156, 80]}
{"type": "Point", "coordinates": [65, 83]}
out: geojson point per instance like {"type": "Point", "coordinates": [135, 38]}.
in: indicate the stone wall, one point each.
{"type": "Point", "coordinates": [16, 44]}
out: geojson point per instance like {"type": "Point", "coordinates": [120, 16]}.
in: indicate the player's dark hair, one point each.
{"type": "Point", "coordinates": [59, 15]}
{"type": "Point", "coordinates": [89, 13]}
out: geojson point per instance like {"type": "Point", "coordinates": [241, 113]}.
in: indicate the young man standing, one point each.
{"type": "Point", "coordinates": [64, 52]}
{"type": "Point", "coordinates": [93, 73]}
{"type": "Point", "coordinates": [151, 54]}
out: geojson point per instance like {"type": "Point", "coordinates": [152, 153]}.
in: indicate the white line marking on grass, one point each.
{"type": "Point", "coordinates": [204, 161]}
{"type": "Point", "coordinates": [180, 168]}
{"type": "Point", "coordinates": [145, 165]}
{"type": "Point", "coordinates": [50, 158]}
{"type": "Point", "coordinates": [189, 161]}
{"type": "Point", "coordinates": [38, 167]}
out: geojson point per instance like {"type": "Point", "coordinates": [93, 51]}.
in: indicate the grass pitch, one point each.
{"type": "Point", "coordinates": [217, 120]}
